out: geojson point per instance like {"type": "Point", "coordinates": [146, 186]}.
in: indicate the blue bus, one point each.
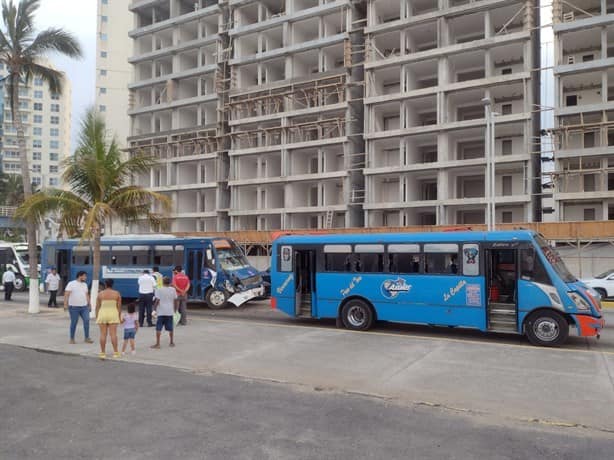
{"type": "Point", "coordinates": [502, 281]}
{"type": "Point", "coordinates": [217, 267]}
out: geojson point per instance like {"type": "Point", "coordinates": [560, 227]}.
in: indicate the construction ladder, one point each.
{"type": "Point", "coordinates": [330, 214]}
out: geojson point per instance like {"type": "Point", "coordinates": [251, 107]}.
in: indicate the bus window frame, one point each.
{"type": "Point", "coordinates": [426, 252]}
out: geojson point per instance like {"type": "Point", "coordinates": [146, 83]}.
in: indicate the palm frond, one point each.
{"type": "Point", "coordinates": [54, 40]}
{"type": "Point", "coordinates": [39, 204]}
{"type": "Point", "coordinates": [53, 78]}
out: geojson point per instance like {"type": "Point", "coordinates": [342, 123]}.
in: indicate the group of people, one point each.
{"type": "Point", "coordinates": [157, 293]}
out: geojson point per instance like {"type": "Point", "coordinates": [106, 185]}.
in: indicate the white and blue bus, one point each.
{"type": "Point", "coordinates": [504, 281]}
{"type": "Point", "coordinates": [218, 269]}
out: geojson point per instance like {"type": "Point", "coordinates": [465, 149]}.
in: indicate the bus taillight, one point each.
{"type": "Point", "coordinates": [273, 303]}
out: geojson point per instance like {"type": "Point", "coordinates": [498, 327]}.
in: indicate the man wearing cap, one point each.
{"type": "Point", "coordinates": [53, 284]}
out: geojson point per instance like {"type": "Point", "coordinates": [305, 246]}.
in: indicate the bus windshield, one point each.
{"type": "Point", "coordinates": [231, 258]}
{"type": "Point", "coordinates": [553, 257]}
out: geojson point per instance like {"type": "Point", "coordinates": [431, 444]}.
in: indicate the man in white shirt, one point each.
{"type": "Point", "coordinates": [77, 301]}
{"type": "Point", "coordinates": [147, 284]}
{"type": "Point", "coordinates": [53, 284]}
{"type": "Point", "coordinates": [8, 279]}
{"type": "Point", "coordinates": [165, 307]}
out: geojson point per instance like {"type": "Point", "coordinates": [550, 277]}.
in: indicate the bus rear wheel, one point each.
{"type": "Point", "coordinates": [20, 283]}
{"type": "Point", "coordinates": [357, 315]}
{"type": "Point", "coordinates": [546, 329]}
{"type": "Point", "coordinates": [216, 299]}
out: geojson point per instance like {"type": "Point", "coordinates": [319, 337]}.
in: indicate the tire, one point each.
{"type": "Point", "coordinates": [546, 329]}
{"type": "Point", "coordinates": [216, 299]}
{"type": "Point", "coordinates": [602, 293]}
{"type": "Point", "coordinates": [356, 315]}
{"type": "Point", "coordinates": [20, 283]}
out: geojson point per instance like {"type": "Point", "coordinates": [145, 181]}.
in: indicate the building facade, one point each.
{"type": "Point", "coordinates": [583, 175]}
{"type": "Point", "coordinates": [113, 72]}
{"type": "Point", "coordinates": [46, 118]}
{"type": "Point", "coordinates": [329, 114]}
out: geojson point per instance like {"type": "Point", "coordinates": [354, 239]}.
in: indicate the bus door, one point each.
{"type": "Point", "coordinates": [62, 264]}
{"type": "Point", "coordinates": [304, 275]}
{"type": "Point", "coordinates": [502, 287]}
{"type": "Point", "coordinates": [194, 270]}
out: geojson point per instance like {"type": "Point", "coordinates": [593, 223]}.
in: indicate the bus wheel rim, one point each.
{"type": "Point", "coordinates": [18, 283]}
{"type": "Point", "coordinates": [217, 298]}
{"type": "Point", "coordinates": [356, 316]}
{"type": "Point", "coordinates": [546, 329]}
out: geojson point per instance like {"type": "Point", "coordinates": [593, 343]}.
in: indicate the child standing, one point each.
{"type": "Point", "coordinates": [131, 325]}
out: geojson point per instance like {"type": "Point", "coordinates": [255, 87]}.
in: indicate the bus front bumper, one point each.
{"type": "Point", "coordinates": [589, 326]}
{"type": "Point", "coordinates": [240, 298]}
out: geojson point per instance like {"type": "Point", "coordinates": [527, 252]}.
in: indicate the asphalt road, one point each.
{"type": "Point", "coordinates": [69, 407]}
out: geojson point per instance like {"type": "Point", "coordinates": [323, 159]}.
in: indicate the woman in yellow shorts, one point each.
{"type": "Point", "coordinates": [108, 317]}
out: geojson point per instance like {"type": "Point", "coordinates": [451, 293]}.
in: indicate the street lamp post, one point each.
{"type": "Point", "coordinates": [489, 143]}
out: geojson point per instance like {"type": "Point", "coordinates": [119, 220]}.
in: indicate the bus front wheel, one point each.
{"type": "Point", "coordinates": [357, 315]}
{"type": "Point", "coordinates": [20, 283]}
{"type": "Point", "coordinates": [216, 299]}
{"type": "Point", "coordinates": [546, 329]}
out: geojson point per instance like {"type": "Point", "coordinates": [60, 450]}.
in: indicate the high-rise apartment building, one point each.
{"type": "Point", "coordinates": [46, 117]}
{"type": "Point", "coordinates": [583, 176]}
{"type": "Point", "coordinates": [113, 72]}
{"type": "Point", "coordinates": [430, 67]}
{"type": "Point", "coordinates": [322, 114]}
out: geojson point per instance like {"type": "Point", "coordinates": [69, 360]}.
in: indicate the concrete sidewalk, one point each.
{"type": "Point", "coordinates": [488, 379]}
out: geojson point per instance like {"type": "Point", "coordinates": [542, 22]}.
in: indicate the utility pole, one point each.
{"type": "Point", "coordinates": [489, 144]}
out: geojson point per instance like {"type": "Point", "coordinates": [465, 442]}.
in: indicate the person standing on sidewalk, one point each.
{"type": "Point", "coordinates": [77, 301]}
{"type": "Point", "coordinates": [147, 283]}
{"type": "Point", "coordinates": [8, 280]}
{"type": "Point", "coordinates": [108, 314]}
{"type": "Point", "coordinates": [181, 283]}
{"type": "Point", "coordinates": [131, 326]}
{"type": "Point", "coordinates": [53, 284]}
{"type": "Point", "coordinates": [165, 305]}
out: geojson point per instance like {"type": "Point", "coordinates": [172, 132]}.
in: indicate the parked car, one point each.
{"type": "Point", "coordinates": [602, 283]}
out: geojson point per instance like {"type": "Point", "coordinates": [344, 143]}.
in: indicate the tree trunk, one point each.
{"type": "Point", "coordinates": [34, 302]}
{"type": "Point", "coordinates": [95, 267]}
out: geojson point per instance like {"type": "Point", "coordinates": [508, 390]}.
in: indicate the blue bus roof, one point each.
{"type": "Point", "coordinates": [126, 239]}
{"type": "Point", "coordinates": [430, 237]}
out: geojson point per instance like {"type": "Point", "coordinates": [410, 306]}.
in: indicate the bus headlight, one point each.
{"type": "Point", "coordinates": [581, 304]}
{"type": "Point", "coordinates": [228, 285]}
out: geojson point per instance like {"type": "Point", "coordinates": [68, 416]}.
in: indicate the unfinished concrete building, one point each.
{"type": "Point", "coordinates": [295, 114]}
{"type": "Point", "coordinates": [429, 66]}
{"type": "Point", "coordinates": [583, 176]}
{"type": "Point", "coordinates": [275, 114]}
{"type": "Point", "coordinates": [176, 98]}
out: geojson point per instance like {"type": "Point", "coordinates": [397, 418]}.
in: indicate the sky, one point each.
{"type": "Point", "coordinates": [79, 18]}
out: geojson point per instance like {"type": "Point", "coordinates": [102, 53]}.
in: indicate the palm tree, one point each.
{"type": "Point", "coordinates": [100, 190]}
{"type": "Point", "coordinates": [21, 51]}
{"type": "Point", "coordinates": [11, 189]}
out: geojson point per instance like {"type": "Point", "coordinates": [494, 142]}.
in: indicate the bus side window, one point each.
{"type": "Point", "coordinates": [531, 267]}
{"type": "Point", "coordinates": [404, 263]}
{"type": "Point", "coordinates": [335, 262]}
{"type": "Point", "coordinates": [441, 258]}
{"type": "Point", "coordinates": [370, 263]}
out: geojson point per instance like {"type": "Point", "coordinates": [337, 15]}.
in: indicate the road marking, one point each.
{"type": "Point", "coordinates": [404, 336]}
